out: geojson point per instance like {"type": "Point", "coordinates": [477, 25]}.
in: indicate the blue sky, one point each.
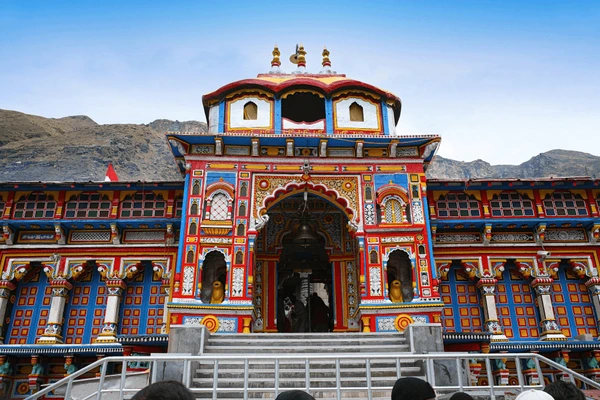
{"type": "Point", "coordinates": [498, 80]}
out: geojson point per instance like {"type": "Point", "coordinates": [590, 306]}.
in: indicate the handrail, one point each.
{"type": "Point", "coordinates": [460, 359]}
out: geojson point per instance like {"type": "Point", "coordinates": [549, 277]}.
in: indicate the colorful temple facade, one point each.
{"type": "Point", "coordinates": [300, 191]}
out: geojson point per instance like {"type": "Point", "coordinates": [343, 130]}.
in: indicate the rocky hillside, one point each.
{"type": "Point", "coordinates": [553, 163]}
{"type": "Point", "coordinates": [77, 149]}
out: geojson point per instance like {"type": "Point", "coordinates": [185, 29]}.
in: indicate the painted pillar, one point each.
{"type": "Point", "coordinates": [60, 293]}
{"type": "Point", "coordinates": [593, 286]}
{"type": "Point", "coordinates": [270, 296]}
{"type": "Point", "coordinates": [340, 297]}
{"type": "Point", "coordinates": [5, 288]}
{"type": "Point", "coordinates": [277, 115]}
{"type": "Point", "coordinates": [550, 329]}
{"type": "Point", "coordinates": [111, 316]}
{"type": "Point", "coordinates": [487, 288]}
{"type": "Point", "coordinates": [329, 116]}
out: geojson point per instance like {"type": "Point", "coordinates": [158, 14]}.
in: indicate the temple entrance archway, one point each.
{"type": "Point", "coordinates": [303, 253]}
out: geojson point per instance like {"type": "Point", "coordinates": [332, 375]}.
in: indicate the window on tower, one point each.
{"type": "Point", "coordinates": [250, 111]}
{"type": "Point", "coordinates": [303, 107]}
{"type": "Point", "coordinates": [356, 112]}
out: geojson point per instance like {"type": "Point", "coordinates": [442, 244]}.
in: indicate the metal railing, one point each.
{"type": "Point", "coordinates": [268, 375]}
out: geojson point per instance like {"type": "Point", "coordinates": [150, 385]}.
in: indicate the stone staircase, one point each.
{"type": "Point", "coordinates": [321, 376]}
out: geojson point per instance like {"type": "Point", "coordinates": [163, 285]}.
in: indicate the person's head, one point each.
{"type": "Point", "coordinates": [461, 396]}
{"type": "Point", "coordinates": [412, 389]}
{"type": "Point", "coordinates": [534, 395]}
{"type": "Point", "coordinates": [164, 390]}
{"type": "Point", "coordinates": [294, 395]}
{"type": "Point", "coordinates": [562, 390]}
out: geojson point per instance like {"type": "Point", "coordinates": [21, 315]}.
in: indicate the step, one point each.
{"type": "Point", "coordinates": [269, 373]}
{"type": "Point", "coordinates": [304, 336]}
{"type": "Point", "coordinates": [249, 350]}
{"type": "Point", "coordinates": [387, 343]}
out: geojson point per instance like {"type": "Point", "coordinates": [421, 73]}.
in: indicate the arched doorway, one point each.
{"type": "Point", "coordinates": [399, 268]}
{"type": "Point", "coordinates": [302, 254]}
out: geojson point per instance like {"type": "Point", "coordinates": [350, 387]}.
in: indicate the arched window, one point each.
{"type": "Point", "coordinates": [356, 112]}
{"type": "Point", "coordinates": [194, 209]}
{"type": "Point", "coordinates": [395, 212]}
{"type": "Point", "coordinates": [239, 257]}
{"type": "Point", "coordinates": [2, 205]}
{"type": "Point", "coordinates": [190, 257]}
{"type": "Point", "coordinates": [368, 193]}
{"type": "Point", "coordinates": [564, 204]}
{"type": "Point", "coordinates": [193, 229]}
{"type": "Point", "coordinates": [88, 205]}
{"type": "Point", "coordinates": [457, 205]}
{"type": "Point", "coordinates": [218, 207]}
{"type": "Point", "coordinates": [143, 205]}
{"type": "Point", "coordinates": [242, 209]}
{"type": "Point", "coordinates": [241, 230]}
{"type": "Point", "coordinates": [179, 206]}
{"type": "Point", "coordinates": [373, 259]}
{"type": "Point", "coordinates": [196, 188]}
{"type": "Point", "coordinates": [35, 205]}
{"type": "Point", "coordinates": [511, 205]}
{"type": "Point", "coordinates": [250, 111]}
{"type": "Point", "coordinates": [244, 189]}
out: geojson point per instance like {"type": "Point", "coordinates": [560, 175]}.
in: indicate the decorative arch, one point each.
{"type": "Point", "coordinates": [317, 189]}
{"type": "Point", "coordinates": [399, 266]}
{"type": "Point", "coordinates": [219, 201]}
{"type": "Point", "coordinates": [214, 268]}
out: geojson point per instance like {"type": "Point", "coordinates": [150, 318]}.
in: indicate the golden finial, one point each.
{"type": "Point", "coordinates": [326, 60]}
{"type": "Point", "coordinates": [275, 62]}
{"type": "Point", "coordinates": [301, 56]}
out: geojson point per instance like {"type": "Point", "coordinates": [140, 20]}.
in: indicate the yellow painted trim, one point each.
{"type": "Point", "coordinates": [392, 168]}
{"type": "Point", "coordinates": [294, 91]}
{"type": "Point", "coordinates": [211, 307]}
{"type": "Point", "coordinates": [243, 93]}
{"type": "Point", "coordinates": [527, 193]}
{"type": "Point", "coordinates": [474, 193]}
{"type": "Point", "coordinates": [254, 167]}
{"type": "Point", "coordinates": [357, 168]}
{"type": "Point", "coordinates": [325, 168]}
{"type": "Point", "coordinates": [287, 167]}
{"type": "Point", "coordinates": [409, 305]}
{"type": "Point", "coordinates": [439, 193]}
{"type": "Point", "coordinates": [221, 166]}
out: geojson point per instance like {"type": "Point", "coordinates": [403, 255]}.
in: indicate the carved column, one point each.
{"type": "Point", "coordinates": [593, 286]}
{"type": "Point", "coordinates": [487, 288]}
{"type": "Point", "coordinates": [5, 288]}
{"type": "Point", "coordinates": [60, 293]}
{"type": "Point", "coordinates": [549, 328]}
{"type": "Point", "coordinates": [111, 317]}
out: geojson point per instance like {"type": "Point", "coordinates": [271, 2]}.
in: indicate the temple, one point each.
{"type": "Point", "coordinates": [300, 194]}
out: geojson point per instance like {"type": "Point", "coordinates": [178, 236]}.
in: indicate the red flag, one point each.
{"type": "Point", "coordinates": [111, 175]}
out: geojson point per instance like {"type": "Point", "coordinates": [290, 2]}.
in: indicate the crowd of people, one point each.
{"type": "Point", "coordinates": [404, 389]}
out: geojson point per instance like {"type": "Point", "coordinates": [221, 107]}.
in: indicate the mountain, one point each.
{"type": "Point", "coordinates": [77, 149]}
{"type": "Point", "coordinates": [553, 163]}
